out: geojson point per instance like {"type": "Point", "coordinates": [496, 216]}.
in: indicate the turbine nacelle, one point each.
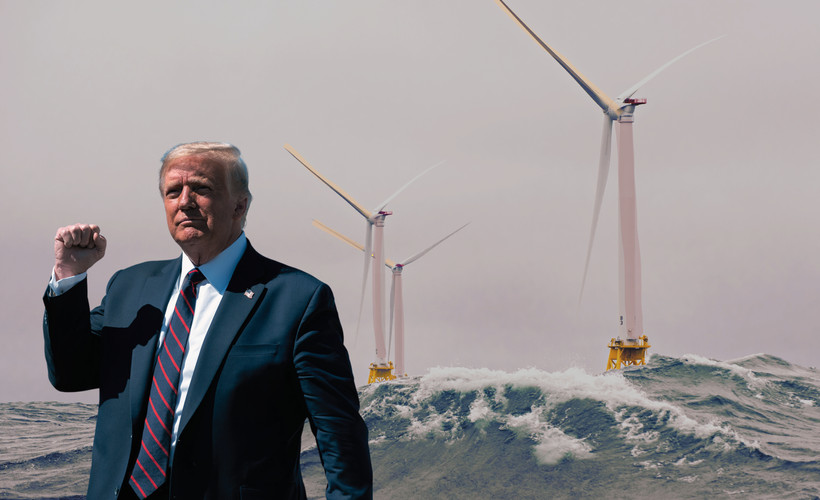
{"type": "Point", "coordinates": [628, 109]}
{"type": "Point", "coordinates": [634, 101]}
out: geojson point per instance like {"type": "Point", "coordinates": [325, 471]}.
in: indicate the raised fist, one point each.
{"type": "Point", "coordinates": [76, 249]}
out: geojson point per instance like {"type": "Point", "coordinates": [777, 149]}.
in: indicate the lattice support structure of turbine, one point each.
{"type": "Point", "coordinates": [631, 350]}
{"type": "Point", "coordinates": [622, 354]}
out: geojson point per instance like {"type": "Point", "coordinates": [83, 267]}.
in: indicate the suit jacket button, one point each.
{"type": "Point", "coordinates": [116, 492]}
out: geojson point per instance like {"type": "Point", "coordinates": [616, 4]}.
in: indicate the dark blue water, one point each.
{"type": "Point", "coordinates": [686, 427]}
{"type": "Point", "coordinates": [45, 449]}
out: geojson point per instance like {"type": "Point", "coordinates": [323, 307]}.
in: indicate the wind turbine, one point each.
{"type": "Point", "coordinates": [396, 297]}
{"type": "Point", "coordinates": [374, 238]}
{"type": "Point", "coordinates": [620, 110]}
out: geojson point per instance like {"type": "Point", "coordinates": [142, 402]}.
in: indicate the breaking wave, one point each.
{"type": "Point", "coordinates": [679, 427]}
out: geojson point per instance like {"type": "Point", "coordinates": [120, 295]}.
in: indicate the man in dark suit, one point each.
{"type": "Point", "coordinates": [261, 351]}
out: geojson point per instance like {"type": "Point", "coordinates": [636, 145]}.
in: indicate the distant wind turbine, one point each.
{"type": "Point", "coordinates": [396, 298]}
{"type": "Point", "coordinates": [621, 109]}
{"type": "Point", "coordinates": [374, 238]}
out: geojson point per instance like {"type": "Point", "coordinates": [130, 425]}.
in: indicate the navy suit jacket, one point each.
{"type": "Point", "coordinates": [272, 357]}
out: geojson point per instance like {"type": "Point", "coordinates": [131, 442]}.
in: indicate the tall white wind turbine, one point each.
{"type": "Point", "coordinates": [620, 110]}
{"type": "Point", "coordinates": [396, 296]}
{"type": "Point", "coordinates": [374, 238]}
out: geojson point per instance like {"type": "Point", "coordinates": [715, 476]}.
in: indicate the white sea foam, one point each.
{"type": "Point", "coordinates": [648, 464]}
{"type": "Point", "coordinates": [433, 425]}
{"type": "Point", "coordinates": [403, 411]}
{"type": "Point", "coordinates": [479, 411]}
{"type": "Point", "coordinates": [634, 428]}
{"type": "Point", "coordinates": [613, 389]}
{"type": "Point", "coordinates": [746, 358]}
{"type": "Point", "coordinates": [418, 401]}
{"type": "Point", "coordinates": [552, 444]}
{"type": "Point", "coordinates": [684, 461]}
{"type": "Point", "coordinates": [740, 371]}
{"type": "Point", "coordinates": [555, 446]}
{"type": "Point", "coordinates": [556, 386]}
{"type": "Point", "coordinates": [373, 441]}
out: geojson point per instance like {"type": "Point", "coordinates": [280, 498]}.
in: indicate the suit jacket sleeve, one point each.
{"type": "Point", "coordinates": [72, 339]}
{"type": "Point", "coordinates": [326, 380]}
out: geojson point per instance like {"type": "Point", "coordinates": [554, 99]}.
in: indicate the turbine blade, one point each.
{"type": "Point", "coordinates": [603, 174]}
{"type": "Point", "coordinates": [387, 262]}
{"type": "Point", "coordinates": [367, 257]}
{"type": "Point", "coordinates": [339, 235]}
{"type": "Point", "coordinates": [417, 256]}
{"type": "Point", "coordinates": [605, 102]}
{"type": "Point", "coordinates": [388, 200]}
{"type": "Point", "coordinates": [353, 203]}
{"type": "Point", "coordinates": [631, 90]}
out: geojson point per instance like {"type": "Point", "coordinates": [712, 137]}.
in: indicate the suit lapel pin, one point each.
{"type": "Point", "coordinates": [249, 293]}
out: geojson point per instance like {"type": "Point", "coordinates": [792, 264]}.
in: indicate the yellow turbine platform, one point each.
{"type": "Point", "coordinates": [626, 353]}
{"type": "Point", "coordinates": [380, 373]}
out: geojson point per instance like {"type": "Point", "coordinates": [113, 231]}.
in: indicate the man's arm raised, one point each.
{"type": "Point", "coordinates": [72, 348]}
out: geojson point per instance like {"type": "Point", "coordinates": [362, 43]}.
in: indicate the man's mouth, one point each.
{"type": "Point", "coordinates": [189, 222]}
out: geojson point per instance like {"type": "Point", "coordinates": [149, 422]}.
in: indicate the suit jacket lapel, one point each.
{"type": "Point", "coordinates": [244, 291]}
{"type": "Point", "coordinates": [156, 291]}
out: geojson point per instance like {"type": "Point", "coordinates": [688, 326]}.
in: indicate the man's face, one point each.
{"type": "Point", "coordinates": [204, 213]}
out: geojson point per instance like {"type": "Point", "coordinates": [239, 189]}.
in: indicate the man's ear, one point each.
{"type": "Point", "coordinates": [241, 207]}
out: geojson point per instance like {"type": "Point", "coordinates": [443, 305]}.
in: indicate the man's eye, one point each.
{"type": "Point", "coordinates": [172, 193]}
{"type": "Point", "coordinates": [203, 190]}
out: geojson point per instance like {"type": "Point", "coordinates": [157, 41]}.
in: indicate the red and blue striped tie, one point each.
{"type": "Point", "coordinates": [152, 462]}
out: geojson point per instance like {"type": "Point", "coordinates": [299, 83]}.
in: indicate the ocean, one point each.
{"type": "Point", "coordinates": [679, 427]}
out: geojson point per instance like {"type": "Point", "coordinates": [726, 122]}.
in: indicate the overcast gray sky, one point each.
{"type": "Point", "coordinates": [371, 93]}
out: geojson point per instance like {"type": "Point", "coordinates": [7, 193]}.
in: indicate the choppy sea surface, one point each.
{"type": "Point", "coordinates": [680, 427]}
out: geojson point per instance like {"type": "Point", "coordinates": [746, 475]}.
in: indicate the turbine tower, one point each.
{"type": "Point", "coordinates": [396, 298]}
{"type": "Point", "coordinates": [374, 238]}
{"type": "Point", "coordinates": [630, 351]}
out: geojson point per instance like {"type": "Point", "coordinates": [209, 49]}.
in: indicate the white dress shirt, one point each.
{"type": "Point", "coordinates": [217, 272]}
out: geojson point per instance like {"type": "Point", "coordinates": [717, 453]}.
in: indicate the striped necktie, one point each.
{"type": "Point", "coordinates": [152, 461]}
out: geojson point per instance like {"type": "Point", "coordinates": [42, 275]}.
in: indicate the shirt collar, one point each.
{"type": "Point", "coordinates": [218, 271]}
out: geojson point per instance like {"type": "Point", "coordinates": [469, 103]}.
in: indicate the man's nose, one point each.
{"type": "Point", "coordinates": [187, 199]}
